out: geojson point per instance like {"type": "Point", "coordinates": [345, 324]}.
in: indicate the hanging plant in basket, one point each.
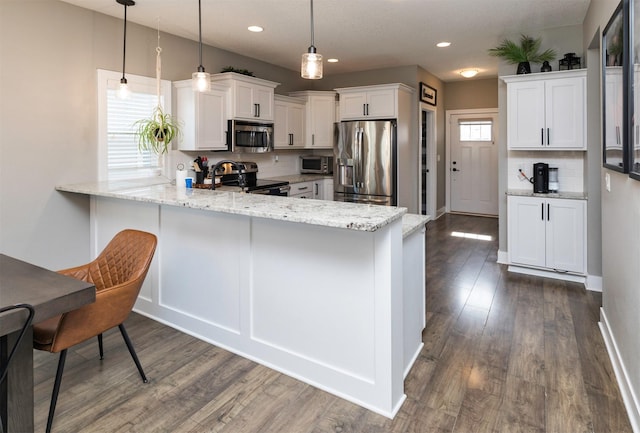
{"type": "Point", "coordinates": [157, 132]}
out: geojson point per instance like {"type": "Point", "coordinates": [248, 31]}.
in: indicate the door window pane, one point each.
{"type": "Point", "coordinates": [475, 130]}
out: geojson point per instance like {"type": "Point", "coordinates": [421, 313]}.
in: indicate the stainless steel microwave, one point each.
{"type": "Point", "coordinates": [253, 137]}
{"type": "Point", "coordinates": [316, 164]}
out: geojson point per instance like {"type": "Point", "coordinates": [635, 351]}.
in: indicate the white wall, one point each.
{"type": "Point", "coordinates": [49, 53]}
{"type": "Point", "coordinates": [620, 253]}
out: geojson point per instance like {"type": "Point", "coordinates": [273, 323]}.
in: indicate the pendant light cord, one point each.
{"type": "Point", "coordinates": [124, 43]}
{"type": "Point", "coordinates": [200, 67]}
{"type": "Point", "coordinates": [312, 41]}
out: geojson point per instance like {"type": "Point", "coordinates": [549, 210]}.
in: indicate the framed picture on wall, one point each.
{"type": "Point", "coordinates": [634, 88]}
{"type": "Point", "coordinates": [428, 94]}
{"type": "Point", "coordinates": [615, 155]}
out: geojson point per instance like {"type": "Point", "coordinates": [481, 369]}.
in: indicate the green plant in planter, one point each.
{"type": "Point", "coordinates": [155, 133]}
{"type": "Point", "coordinates": [527, 51]}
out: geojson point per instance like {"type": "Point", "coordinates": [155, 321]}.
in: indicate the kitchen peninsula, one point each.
{"type": "Point", "coordinates": [330, 293]}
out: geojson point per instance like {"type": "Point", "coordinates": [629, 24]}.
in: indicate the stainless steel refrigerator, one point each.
{"type": "Point", "coordinates": [365, 161]}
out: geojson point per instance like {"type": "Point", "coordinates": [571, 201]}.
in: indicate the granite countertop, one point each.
{"type": "Point", "coordinates": [561, 194]}
{"type": "Point", "coordinates": [350, 216]}
{"type": "Point", "coordinates": [411, 223]}
{"type": "Point", "coordinates": [297, 178]}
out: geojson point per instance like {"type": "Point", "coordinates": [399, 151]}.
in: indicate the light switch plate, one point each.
{"type": "Point", "coordinates": [607, 182]}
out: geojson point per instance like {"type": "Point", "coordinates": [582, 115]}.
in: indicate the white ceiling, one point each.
{"type": "Point", "coordinates": [363, 34]}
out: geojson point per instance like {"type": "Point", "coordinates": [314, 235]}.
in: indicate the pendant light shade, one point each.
{"type": "Point", "coordinates": [123, 92]}
{"type": "Point", "coordinates": [311, 68]}
{"type": "Point", "coordinates": [200, 80]}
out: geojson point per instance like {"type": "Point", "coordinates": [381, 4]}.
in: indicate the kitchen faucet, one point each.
{"type": "Point", "coordinates": [242, 179]}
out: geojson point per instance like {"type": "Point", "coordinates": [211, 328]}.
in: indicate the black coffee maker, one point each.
{"type": "Point", "coordinates": [540, 177]}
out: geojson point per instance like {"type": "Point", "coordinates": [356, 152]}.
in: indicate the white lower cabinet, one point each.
{"type": "Point", "coordinates": [321, 189]}
{"type": "Point", "coordinates": [327, 193]}
{"type": "Point", "coordinates": [302, 190]}
{"type": "Point", "coordinates": [547, 233]}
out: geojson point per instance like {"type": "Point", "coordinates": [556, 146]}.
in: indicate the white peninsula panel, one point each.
{"type": "Point", "coordinates": [329, 293]}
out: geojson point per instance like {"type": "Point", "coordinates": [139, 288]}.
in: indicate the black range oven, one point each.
{"type": "Point", "coordinates": [250, 183]}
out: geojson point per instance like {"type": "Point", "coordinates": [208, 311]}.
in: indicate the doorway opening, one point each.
{"type": "Point", "coordinates": [427, 161]}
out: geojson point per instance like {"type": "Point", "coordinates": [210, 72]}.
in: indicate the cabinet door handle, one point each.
{"type": "Point", "coordinates": [548, 208]}
{"type": "Point", "coordinates": [302, 188]}
{"type": "Point", "coordinates": [542, 211]}
{"type": "Point", "coordinates": [367, 109]}
{"type": "Point", "coordinates": [256, 110]}
{"type": "Point", "coordinates": [290, 139]}
{"type": "Point", "coordinates": [316, 185]}
{"type": "Point", "coordinates": [541, 136]}
{"type": "Point", "coordinates": [313, 139]}
{"type": "Point", "coordinates": [548, 138]}
{"type": "Point", "coordinates": [617, 135]}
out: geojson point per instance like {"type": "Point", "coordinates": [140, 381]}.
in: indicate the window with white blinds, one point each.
{"type": "Point", "coordinates": [119, 156]}
{"type": "Point", "coordinates": [476, 130]}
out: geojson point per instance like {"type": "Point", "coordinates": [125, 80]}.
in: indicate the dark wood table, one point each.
{"type": "Point", "coordinates": [50, 294]}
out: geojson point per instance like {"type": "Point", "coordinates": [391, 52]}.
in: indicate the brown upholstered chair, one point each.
{"type": "Point", "coordinates": [118, 273]}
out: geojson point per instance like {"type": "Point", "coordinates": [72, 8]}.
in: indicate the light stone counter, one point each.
{"type": "Point", "coordinates": [350, 216]}
{"type": "Point", "coordinates": [297, 178]}
{"type": "Point", "coordinates": [561, 194]}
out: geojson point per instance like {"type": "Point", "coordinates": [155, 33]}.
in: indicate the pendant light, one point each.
{"type": "Point", "coordinates": [123, 92]}
{"type": "Point", "coordinates": [311, 61]}
{"type": "Point", "coordinates": [201, 80]}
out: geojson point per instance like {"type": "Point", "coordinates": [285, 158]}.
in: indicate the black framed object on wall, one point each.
{"type": "Point", "coordinates": [428, 94]}
{"type": "Point", "coordinates": [615, 100]}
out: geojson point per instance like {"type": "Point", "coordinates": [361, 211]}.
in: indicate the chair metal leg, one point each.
{"type": "Point", "coordinates": [56, 389]}
{"type": "Point", "coordinates": [132, 352]}
{"type": "Point", "coordinates": [100, 346]}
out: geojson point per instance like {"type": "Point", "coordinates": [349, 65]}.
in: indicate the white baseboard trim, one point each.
{"type": "Point", "coordinates": [594, 283]}
{"type": "Point", "coordinates": [548, 274]}
{"type": "Point", "coordinates": [626, 388]}
{"type": "Point", "coordinates": [440, 212]}
{"type": "Point", "coordinates": [503, 257]}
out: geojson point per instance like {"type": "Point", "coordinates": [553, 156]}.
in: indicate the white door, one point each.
{"type": "Point", "coordinates": [474, 165]}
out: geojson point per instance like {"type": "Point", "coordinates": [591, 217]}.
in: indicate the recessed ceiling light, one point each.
{"type": "Point", "coordinates": [469, 73]}
{"type": "Point", "coordinates": [443, 44]}
{"type": "Point", "coordinates": [332, 60]}
{"type": "Point", "coordinates": [255, 29]}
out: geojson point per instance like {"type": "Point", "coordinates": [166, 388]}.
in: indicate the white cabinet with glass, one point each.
{"type": "Point", "coordinates": [548, 233]}
{"type": "Point", "coordinates": [250, 98]}
{"type": "Point", "coordinates": [289, 122]}
{"type": "Point", "coordinates": [203, 117]}
{"type": "Point", "coordinates": [320, 115]}
{"type": "Point", "coordinates": [547, 111]}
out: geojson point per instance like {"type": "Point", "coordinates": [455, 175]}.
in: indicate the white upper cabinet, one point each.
{"type": "Point", "coordinates": [547, 111]}
{"type": "Point", "coordinates": [370, 102]}
{"type": "Point", "coordinates": [203, 117]}
{"type": "Point", "coordinates": [289, 122]}
{"type": "Point", "coordinates": [250, 98]}
{"type": "Point", "coordinates": [320, 116]}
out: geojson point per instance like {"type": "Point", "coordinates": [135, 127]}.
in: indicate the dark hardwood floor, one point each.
{"type": "Point", "coordinates": [503, 353]}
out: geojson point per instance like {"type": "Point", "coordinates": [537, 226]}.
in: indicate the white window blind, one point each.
{"type": "Point", "coordinates": [475, 130]}
{"type": "Point", "coordinates": [124, 160]}
{"type": "Point", "coordinates": [119, 157]}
